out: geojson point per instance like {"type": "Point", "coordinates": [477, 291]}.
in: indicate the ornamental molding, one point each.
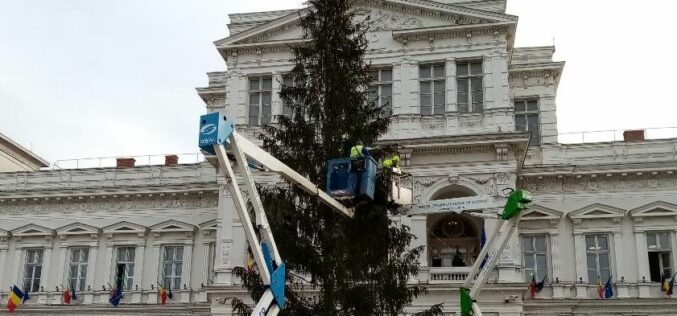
{"type": "Point", "coordinates": [658, 209]}
{"type": "Point", "coordinates": [597, 211]}
{"type": "Point", "coordinates": [173, 226]}
{"type": "Point", "coordinates": [125, 228]}
{"type": "Point", "coordinates": [425, 187]}
{"type": "Point", "coordinates": [159, 201]}
{"type": "Point", "coordinates": [541, 213]}
{"type": "Point", "coordinates": [77, 229]}
{"type": "Point", "coordinates": [208, 228]}
{"type": "Point", "coordinates": [31, 230]}
{"type": "Point", "coordinates": [623, 182]}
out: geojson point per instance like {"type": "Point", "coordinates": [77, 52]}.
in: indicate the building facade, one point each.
{"type": "Point", "coordinates": [474, 115]}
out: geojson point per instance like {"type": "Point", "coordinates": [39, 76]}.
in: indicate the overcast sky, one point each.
{"type": "Point", "coordinates": [83, 78]}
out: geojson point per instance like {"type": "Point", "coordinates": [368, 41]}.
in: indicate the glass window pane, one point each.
{"type": "Point", "coordinates": [37, 272]}
{"type": "Point", "coordinates": [253, 117]}
{"type": "Point", "coordinates": [288, 81]}
{"type": "Point", "coordinates": [541, 262]}
{"type": "Point", "coordinates": [425, 100]}
{"type": "Point", "coordinates": [462, 85]}
{"type": "Point", "coordinates": [520, 123]}
{"type": "Point", "coordinates": [38, 256]}
{"type": "Point", "coordinates": [592, 261]}
{"type": "Point", "coordinates": [438, 71]}
{"type": "Point", "coordinates": [532, 105]}
{"type": "Point", "coordinates": [439, 99]}
{"type": "Point", "coordinates": [477, 97]}
{"type": "Point", "coordinates": [519, 106]}
{"type": "Point", "coordinates": [602, 243]}
{"type": "Point", "coordinates": [462, 107]}
{"type": "Point", "coordinates": [476, 84]}
{"type": "Point", "coordinates": [267, 84]}
{"type": "Point", "coordinates": [593, 276]}
{"type": "Point", "coordinates": [129, 268]}
{"type": "Point", "coordinates": [540, 244]}
{"type": "Point", "coordinates": [179, 268]}
{"type": "Point", "coordinates": [253, 84]}
{"type": "Point", "coordinates": [462, 98]}
{"type": "Point", "coordinates": [532, 122]}
{"type": "Point", "coordinates": [426, 109]}
{"type": "Point", "coordinates": [267, 98]}
{"type": "Point", "coordinates": [590, 243]}
{"type": "Point", "coordinates": [462, 69]}
{"type": "Point", "coordinates": [426, 87]}
{"type": "Point", "coordinates": [527, 244]}
{"type": "Point", "coordinates": [386, 75]}
{"type": "Point", "coordinates": [439, 86]}
{"type": "Point", "coordinates": [604, 261]}
{"type": "Point", "coordinates": [664, 240]}
{"type": "Point", "coordinates": [254, 98]}
{"type": "Point", "coordinates": [651, 241]}
{"type": "Point", "coordinates": [665, 257]}
{"type": "Point", "coordinates": [177, 282]}
{"type": "Point", "coordinates": [73, 272]}
{"type": "Point", "coordinates": [477, 107]}
{"type": "Point", "coordinates": [529, 261]}
{"type": "Point", "coordinates": [605, 273]}
{"type": "Point", "coordinates": [372, 93]}
{"type": "Point", "coordinates": [439, 108]}
{"type": "Point", "coordinates": [386, 91]}
{"type": "Point", "coordinates": [424, 71]}
{"type": "Point", "coordinates": [476, 68]}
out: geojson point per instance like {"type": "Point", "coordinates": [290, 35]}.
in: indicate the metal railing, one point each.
{"type": "Point", "coordinates": [143, 160]}
{"type": "Point", "coordinates": [615, 135]}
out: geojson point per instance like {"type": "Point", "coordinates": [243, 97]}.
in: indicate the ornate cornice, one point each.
{"type": "Point", "coordinates": [609, 182]}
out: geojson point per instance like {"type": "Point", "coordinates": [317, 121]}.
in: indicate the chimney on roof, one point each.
{"type": "Point", "coordinates": [171, 160]}
{"type": "Point", "coordinates": [633, 136]}
{"type": "Point", "coordinates": [125, 162]}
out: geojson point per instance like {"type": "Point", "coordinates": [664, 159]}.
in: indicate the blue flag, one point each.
{"type": "Point", "coordinates": [608, 289]}
{"type": "Point", "coordinates": [25, 296]}
{"type": "Point", "coordinates": [115, 297]}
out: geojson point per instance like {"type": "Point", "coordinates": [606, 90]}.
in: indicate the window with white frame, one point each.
{"type": "Point", "coordinates": [598, 257]}
{"type": "Point", "coordinates": [470, 91]}
{"type": "Point", "coordinates": [381, 89]}
{"type": "Point", "coordinates": [33, 270]}
{"type": "Point", "coordinates": [77, 272]}
{"type": "Point", "coordinates": [260, 100]}
{"type": "Point", "coordinates": [124, 272]}
{"type": "Point", "coordinates": [527, 119]}
{"type": "Point", "coordinates": [172, 264]}
{"type": "Point", "coordinates": [660, 255]}
{"type": "Point", "coordinates": [535, 251]}
{"type": "Point", "coordinates": [432, 89]}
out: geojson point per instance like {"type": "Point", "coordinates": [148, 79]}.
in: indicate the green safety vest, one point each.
{"type": "Point", "coordinates": [356, 151]}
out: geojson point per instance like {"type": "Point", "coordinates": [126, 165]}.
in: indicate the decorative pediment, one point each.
{"type": "Point", "coordinates": [655, 209]}
{"type": "Point", "coordinates": [208, 228]}
{"type": "Point", "coordinates": [384, 15]}
{"type": "Point", "coordinates": [32, 230]}
{"type": "Point", "coordinates": [172, 226]}
{"type": "Point", "coordinates": [125, 228]}
{"type": "Point", "coordinates": [4, 233]}
{"type": "Point", "coordinates": [541, 213]}
{"type": "Point", "coordinates": [597, 211]}
{"type": "Point", "coordinates": [77, 229]}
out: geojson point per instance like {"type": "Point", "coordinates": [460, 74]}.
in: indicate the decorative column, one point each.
{"type": "Point", "coordinates": [412, 85]}
{"type": "Point", "coordinates": [618, 249]}
{"type": "Point", "coordinates": [643, 273]}
{"type": "Point", "coordinates": [46, 259]}
{"type": "Point", "coordinates": [61, 271]}
{"type": "Point", "coordinates": [91, 272]}
{"type": "Point", "coordinates": [153, 277]}
{"type": "Point", "coordinates": [419, 229]}
{"type": "Point", "coordinates": [450, 84]}
{"type": "Point", "coordinates": [224, 233]}
{"type": "Point", "coordinates": [557, 288]}
{"type": "Point", "coordinates": [399, 100]}
{"type": "Point", "coordinates": [496, 84]}
{"type": "Point", "coordinates": [138, 273]}
{"type": "Point", "coordinates": [276, 102]}
{"type": "Point", "coordinates": [17, 264]}
{"type": "Point", "coordinates": [3, 263]}
{"type": "Point", "coordinates": [185, 273]}
{"type": "Point", "coordinates": [236, 91]}
{"type": "Point", "coordinates": [581, 267]}
{"type": "Point", "coordinates": [108, 269]}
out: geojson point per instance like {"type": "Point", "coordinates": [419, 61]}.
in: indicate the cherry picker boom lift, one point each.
{"type": "Point", "coordinates": [218, 134]}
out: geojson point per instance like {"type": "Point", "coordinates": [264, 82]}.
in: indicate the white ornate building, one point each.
{"type": "Point", "coordinates": [475, 115]}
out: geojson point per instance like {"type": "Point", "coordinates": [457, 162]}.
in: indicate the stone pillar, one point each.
{"type": "Point", "coordinates": [619, 255]}
{"type": "Point", "coordinates": [555, 256]}
{"type": "Point", "coordinates": [153, 277]}
{"type": "Point", "coordinates": [138, 274]}
{"type": "Point", "coordinates": [236, 98]}
{"type": "Point", "coordinates": [108, 269]}
{"type": "Point", "coordinates": [673, 243]}
{"type": "Point", "coordinates": [205, 263]}
{"type": "Point", "coordinates": [60, 273]}
{"type": "Point", "coordinates": [412, 87]}
{"type": "Point", "coordinates": [224, 237]}
{"type": "Point", "coordinates": [91, 267]}
{"type": "Point", "coordinates": [419, 229]}
{"type": "Point", "coordinates": [3, 263]}
{"type": "Point", "coordinates": [185, 271]}
{"type": "Point", "coordinates": [18, 264]}
{"type": "Point", "coordinates": [276, 102]}
{"type": "Point", "coordinates": [46, 259]}
{"type": "Point", "coordinates": [450, 84]}
{"type": "Point", "coordinates": [643, 274]}
{"type": "Point", "coordinates": [581, 266]}
{"type": "Point", "coordinates": [399, 101]}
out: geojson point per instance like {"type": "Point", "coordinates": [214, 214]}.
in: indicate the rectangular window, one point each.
{"type": "Point", "coordinates": [172, 265]}
{"type": "Point", "coordinates": [599, 265]}
{"type": "Point", "coordinates": [526, 119]}
{"type": "Point", "coordinates": [660, 255]}
{"type": "Point", "coordinates": [381, 89]}
{"type": "Point", "coordinates": [77, 273]}
{"type": "Point", "coordinates": [33, 270]}
{"type": "Point", "coordinates": [124, 268]}
{"type": "Point", "coordinates": [432, 89]}
{"type": "Point", "coordinates": [260, 100]}
{"type": "Point", "coordinates": [535, 250]}
{"type": "Point", "coordinates": [470, 95]}
{"type": "Point", "coordinates": [287, 110]}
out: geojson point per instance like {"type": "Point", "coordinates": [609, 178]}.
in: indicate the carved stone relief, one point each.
{"type": "Point", "coordinates": [596, 184]}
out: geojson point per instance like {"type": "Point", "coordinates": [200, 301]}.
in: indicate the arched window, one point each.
{"type": "Point", "coordinates": [454, 241]}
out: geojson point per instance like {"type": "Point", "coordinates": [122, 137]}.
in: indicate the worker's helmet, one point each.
{"type": "Point", "coordinates": [396, 158]}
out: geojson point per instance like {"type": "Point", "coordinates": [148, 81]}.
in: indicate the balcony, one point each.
{"type": "Point", "coordinates": [448, 275]}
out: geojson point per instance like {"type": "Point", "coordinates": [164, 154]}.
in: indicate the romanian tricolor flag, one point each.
{"type": "Point", "coordinates": [15, 299]}
{"type": "Point", "coordinates": [163, 295]}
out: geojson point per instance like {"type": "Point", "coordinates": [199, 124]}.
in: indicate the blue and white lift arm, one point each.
{"type": "Point", "coordinates": [217, 135]}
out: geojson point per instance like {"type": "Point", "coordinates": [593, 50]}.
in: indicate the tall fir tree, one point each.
{"type": "Point", "coordinates": [337, 265]}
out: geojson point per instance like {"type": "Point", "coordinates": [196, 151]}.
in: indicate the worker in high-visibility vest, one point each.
{"type": "Point", "coordinates": [359, 150]}
{"type": "Point", "coordinates": [392, 164]}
